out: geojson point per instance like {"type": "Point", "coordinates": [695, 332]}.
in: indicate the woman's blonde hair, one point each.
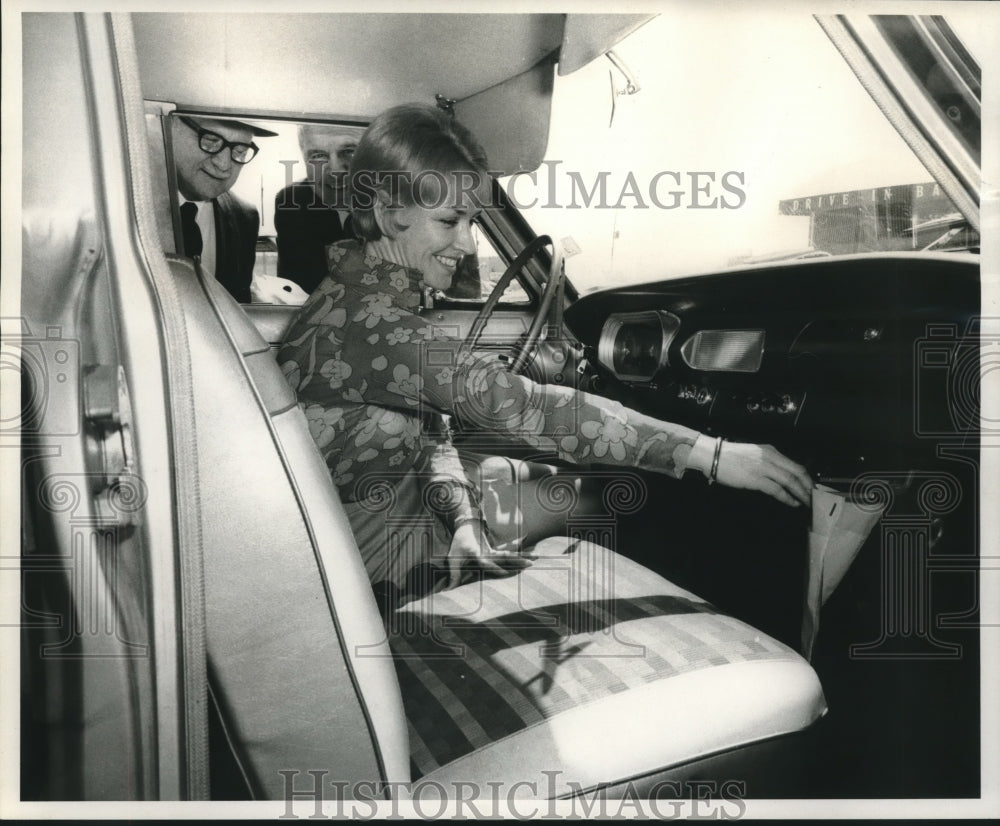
{"type": "Point", "coordinates": [405, 149]}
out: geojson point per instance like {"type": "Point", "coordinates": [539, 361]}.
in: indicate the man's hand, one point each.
{"type": "Point", "coordinates": [471, 550]}
{"type": "Point", "coordinates": [763, 468]}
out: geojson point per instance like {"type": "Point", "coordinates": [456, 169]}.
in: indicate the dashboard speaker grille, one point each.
{"type": "Point", "coordinates": [728, 351]}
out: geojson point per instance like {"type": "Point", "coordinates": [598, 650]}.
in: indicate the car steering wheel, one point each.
{"type": "Point", "coordinates": [551, 287]}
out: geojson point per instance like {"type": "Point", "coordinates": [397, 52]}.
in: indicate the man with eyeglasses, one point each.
{"type": "Point", "coordinates": [218, 228]}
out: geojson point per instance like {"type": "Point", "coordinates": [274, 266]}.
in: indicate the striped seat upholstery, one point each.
{"type": "Point", "coordinates": [581, 631]}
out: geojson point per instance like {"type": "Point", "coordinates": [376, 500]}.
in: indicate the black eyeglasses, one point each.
{"type": "Point", "coordinates": [213, 144]}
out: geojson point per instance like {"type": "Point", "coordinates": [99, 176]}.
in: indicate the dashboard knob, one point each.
{"type": "Point", "coordinates": [787, 404]}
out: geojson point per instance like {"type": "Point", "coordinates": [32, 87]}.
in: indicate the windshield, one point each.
{"type": "Point", "coordinates": [767, 148]}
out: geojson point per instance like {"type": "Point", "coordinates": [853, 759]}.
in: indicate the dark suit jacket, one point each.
{"type": "Point", "coordinates": [305, 226]}
{"type": "Point", "coordinates": [236, 226]}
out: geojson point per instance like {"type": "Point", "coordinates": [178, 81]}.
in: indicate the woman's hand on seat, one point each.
{"type": "Point", "coordinates": [471, 550]}
{"type": "Point", "coordinates": [763, 468]}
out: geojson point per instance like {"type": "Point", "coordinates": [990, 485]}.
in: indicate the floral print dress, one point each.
{"type": "Point", "coordinates": [378, 383]}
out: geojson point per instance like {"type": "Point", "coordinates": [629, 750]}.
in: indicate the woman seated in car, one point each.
{"type": "Point", "coordinates": [378, 381]}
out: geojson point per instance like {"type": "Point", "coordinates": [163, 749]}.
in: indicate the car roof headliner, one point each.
{"type": "Point", "coordinates": [350, 67]}
{"type": "Point", "coordinates": [348, 64]}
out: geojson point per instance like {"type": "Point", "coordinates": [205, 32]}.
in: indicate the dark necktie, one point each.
{"type": "Point", "coordinates": [190, 230]}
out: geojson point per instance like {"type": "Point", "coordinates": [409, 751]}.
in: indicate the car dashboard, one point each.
{"type": "Point", "coordinates": [846, 363]}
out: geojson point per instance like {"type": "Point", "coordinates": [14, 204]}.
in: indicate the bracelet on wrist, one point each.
{"type": "Point", "coordinates": [714, 472]}
{"type": "Point", "coordinates": [468, 520]}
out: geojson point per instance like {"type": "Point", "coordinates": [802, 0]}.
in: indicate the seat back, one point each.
{"type": "Point", "coordinates": [298, 662]}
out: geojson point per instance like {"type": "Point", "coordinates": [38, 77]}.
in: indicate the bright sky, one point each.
{"type": "Point", "coordinates": [772, 99]}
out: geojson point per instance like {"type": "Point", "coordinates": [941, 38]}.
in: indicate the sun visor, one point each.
{"type": "Point", "coordinates": [511, 119]}
{"type": "Point", "coordinates": [588, 36]}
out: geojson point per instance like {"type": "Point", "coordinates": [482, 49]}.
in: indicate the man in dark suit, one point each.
{"type": "Point", "coordinates": [314, 212]}
{"type": "Point", "coordinates": [218, 228]}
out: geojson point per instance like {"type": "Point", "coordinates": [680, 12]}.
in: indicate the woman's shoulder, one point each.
{"type": "Point", "coordinates": [353, 265]}
{"type": "Point", "coordinates": [345, 258]}
{"type": "Point", "coordinates": [345, 246]}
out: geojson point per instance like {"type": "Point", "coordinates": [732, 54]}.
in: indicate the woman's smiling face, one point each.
{"type": "Point", "coordinates": [434, 236]}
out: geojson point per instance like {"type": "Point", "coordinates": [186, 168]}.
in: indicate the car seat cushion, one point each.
{"type": "Point", "coordinates": [582, 631]}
